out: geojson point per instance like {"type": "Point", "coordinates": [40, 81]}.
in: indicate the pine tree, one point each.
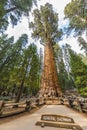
{"type": "Point", "coordinates": [11, 11]}
{"type": "Point", "coordinates": [76, 11]}
{"type": "Point", "coordinates": [79, 73]}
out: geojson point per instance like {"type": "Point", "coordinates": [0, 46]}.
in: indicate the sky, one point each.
{"type": "Point", "coordinates": [23, 27]}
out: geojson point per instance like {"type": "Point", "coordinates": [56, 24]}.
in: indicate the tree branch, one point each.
{"type": "Point", "coordinates": [11, 9]}
{"type": "Point", "coordinates": [82, 19]}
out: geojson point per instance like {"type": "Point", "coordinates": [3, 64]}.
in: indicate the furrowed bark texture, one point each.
{"type": "Point", "coordinates": [49, 82]}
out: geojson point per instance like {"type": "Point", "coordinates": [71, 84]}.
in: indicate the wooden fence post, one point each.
{"type": "Point", "coordinates": [79, 106]}
{"type": "Point", "coordinates": [1, 106]}
{"type": "Point", "coordinates": [28, 105]}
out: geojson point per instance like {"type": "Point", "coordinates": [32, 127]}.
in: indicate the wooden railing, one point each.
{"type": "Point", "coordinates": [77, 103]}
{"type": "Point", "coordinates": [11, 108]}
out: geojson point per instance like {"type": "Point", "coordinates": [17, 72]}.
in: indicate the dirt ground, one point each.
{"type": "Point", "coordinates": [27, 120]}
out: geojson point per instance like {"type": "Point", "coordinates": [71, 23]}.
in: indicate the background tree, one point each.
{"type": "Point", "coordinates": [76, 11]}
{"type": "Point", "coordinates": [15, 58]}
{"type": "Point", "coordinates": [29, 71]}
{"type": "Point", "coordinates": [79, 72]}
{"type": "Point", "coordinates": [84, 58]}
{"type": "Point", "coordinates": [83, 44]}
{"type": "Point", "coordinates": [10, 57]}
{"type": "Point", "coordinates": [34, 70]}
{"type": "Point", "coordinates": [16, 61]}
{"type": "Point", "coordinates": [62, 59]}
{"type": "Point", "coordinates": [11, 11]}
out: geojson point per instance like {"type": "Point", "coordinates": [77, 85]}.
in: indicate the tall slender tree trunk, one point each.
{"type": "Point", "coordinates": [20, 91]}
{"type": "Point", "coordinates": [49, 82]}
{"type": "Point", "coordinates": [22, 84]}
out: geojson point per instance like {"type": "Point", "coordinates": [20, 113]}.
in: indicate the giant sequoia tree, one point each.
{"type": "Point", "coordinates": [45, 28]}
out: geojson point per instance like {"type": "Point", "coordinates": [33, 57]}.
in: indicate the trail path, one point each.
{"type": "Point", "coordinates": [27, 122]}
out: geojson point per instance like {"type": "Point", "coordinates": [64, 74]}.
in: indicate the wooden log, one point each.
{"type": "Point", "coordinates": [12, 112]}
{"type": "Point", "coordinates": [9, 109]}
{"type": "Point", "coordinates": [79, 106]}
{"type": "Point", "coordinates": [1, 106]}
{"type": "Point", "coordinates": [84, 105]}
{"type": "Point", "coordinates": [28, 105]}
{"type": "Point", "coordinates": [70, 100]}
{"type": "Point", "coordinates": [84, 110]}
{"type": "Point", "coordinates": [14, 104]}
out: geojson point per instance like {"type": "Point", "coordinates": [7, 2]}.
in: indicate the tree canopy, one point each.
{"type": "Point", "coordinates": [76, 12]}
{"type": "Point", "coordinates": [83, 44]}
{"type": "Point", "coordinates": [79, 72]}
{"type": "Point", "coordinates": [45, 25]}
{"type": "Point", "coordinates": [11, 11]}
{"type": "Point", "coordinates": [19, 67]}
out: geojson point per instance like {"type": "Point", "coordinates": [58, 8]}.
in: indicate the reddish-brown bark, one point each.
{"type": "Point", "coordinates": [49, 82]}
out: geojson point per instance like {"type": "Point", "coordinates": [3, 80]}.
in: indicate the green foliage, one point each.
{"type": "Point", "coordinates": [83, 92]}
{"type": "Point", "coordinates": [45, 25]}
{"type": "Point", "coordinates": [83, 44]}
{"type": "Point", "coordinates": [72, 71]}
{"type": "Point", "coordinates": [34, 71]}
{"type": "Point", "coordinates": [11, 11]}
{"type": "Point", "coordinates": [77, 14]}
{"type": "Point", "coordinates": [19, 66]}
{"type": "Point", "coordinates": [84, 58]}
{"type": "Point", "coordinates": [64, 78]}
{"type": "Point", "coordinates": [17, 60]}
{"type": "Point", "coordinates": [79, 72]}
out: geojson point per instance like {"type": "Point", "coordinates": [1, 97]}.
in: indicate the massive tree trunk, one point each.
{"type": "Point", "coordinates": [49, 82]}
